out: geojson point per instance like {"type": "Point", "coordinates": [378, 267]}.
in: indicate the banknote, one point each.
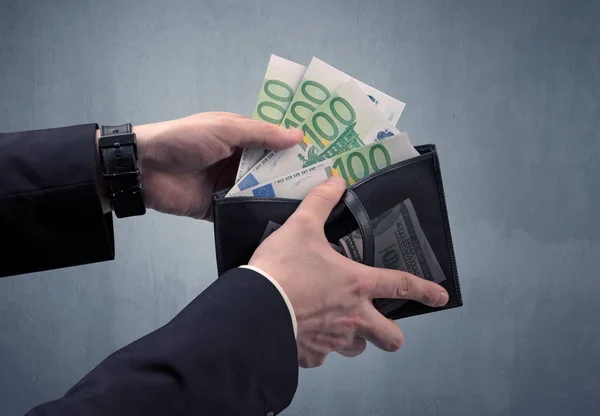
{"type": "Point", "coordinates": [320, 81]}
{"type": "Point", "coordinates": [400, 244]}
{"type": "Point", "coordinates": [345, 121]}
{"type": "Point", "coordinates": [273, 226]}
{"type": "Point", "coordinates": [352, 166]}
{"type": "Point", "coordinates": [279, 86]}
{"type": "Point", "coordinates": [389, 106]}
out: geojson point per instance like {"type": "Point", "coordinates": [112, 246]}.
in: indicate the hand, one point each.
{"type": "Point", "coordinates": [182, 162]}
{"type": "Point", "coordinates": [331, 294]}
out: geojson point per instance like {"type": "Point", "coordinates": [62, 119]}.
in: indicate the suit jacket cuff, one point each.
{"type": "Point", "coordinates": [281, 292]}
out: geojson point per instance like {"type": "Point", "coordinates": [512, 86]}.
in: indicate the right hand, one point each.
{"type": "Point", "coordinates": [183, 162]}
{"type": "Point", "coordinates": [331, 294]}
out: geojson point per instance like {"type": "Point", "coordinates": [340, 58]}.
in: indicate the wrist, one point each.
{"type": "Point", "coordinates": [142, 133]}
{"type": "Point", "coordinates": [145, 135]}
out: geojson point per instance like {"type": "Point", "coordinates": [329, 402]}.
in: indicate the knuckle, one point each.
{"type": "Point", "coordinates": [357, 322]}
{"type": "Point", "coordinates": [356, 347]}
{"type": "Point", "coordinates": [346, 328]}
{"type": "Point", "coordinates": [405, 286]}
{"type": "Point", "coordinates": [320, 360]}
{"type": "Point", "coordinates": [303, 220]}
{"type": "Point", "coordinates": [314, 361]}
{"type": "Point", "coordinates": [362, 287]}
{"type": "Point", "coordinates": [264, 129]}
{"type": "Point", "coordinates": [302, 362]}
{"type": "Point", "coordinates": [273, 130]}
{"type": "Point", "coordinates": [338, 343]}
{"type": "Point", "coordinates": [395, 344]}
{"type": "Point", "coordinates": [428, 298]}
{"type": "Point", "coordinates": [323, 192]}
{"type": "Point", "coordinates": [361, 344]}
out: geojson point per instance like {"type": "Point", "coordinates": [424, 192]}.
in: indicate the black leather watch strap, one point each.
{"type": "Point", "coordinates": [118, 153]}
{"type": "Point", "coordinates": [112, 130]}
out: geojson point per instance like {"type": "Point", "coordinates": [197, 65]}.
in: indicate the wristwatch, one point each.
{"type": "Point", "coordinates": [119, 157]}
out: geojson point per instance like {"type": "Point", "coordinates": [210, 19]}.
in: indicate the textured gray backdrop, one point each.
{"type": "Point", "coordinates": [508, 90]}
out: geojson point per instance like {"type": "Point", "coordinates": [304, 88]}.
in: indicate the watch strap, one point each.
{"type": "Point", "coordinates": [118, 152]}
{"type": "Point", "coordinates": [112, 130]}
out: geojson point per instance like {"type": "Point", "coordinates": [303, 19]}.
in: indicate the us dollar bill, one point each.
{"type": "Point", "coordinates": [400, 244]}
{"type": "Point", "coordinates": [276, 93]}
{"type": "Point", "coordinates": [352, 166]}
{"type": "Point", "coordinates": [320, 81]}
{"type": "Point", "coordinates": [347, 120]}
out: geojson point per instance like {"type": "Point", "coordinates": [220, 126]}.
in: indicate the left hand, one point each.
{"type": "Point", "coordinates": [331, 295]}
{"type": "Point", "coordinates": [182, 162]}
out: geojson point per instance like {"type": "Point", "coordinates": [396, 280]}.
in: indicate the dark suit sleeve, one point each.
{"type": "Point", "coordinates": [231, 351]}
{"type": "Point", "coordinates": [50, 212]}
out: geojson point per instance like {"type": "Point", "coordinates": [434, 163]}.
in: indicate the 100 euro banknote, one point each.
{"type": "Point", "coordinates": [279, 86]}
{"type": "Point", "coordinates": [320, 81]}
{"type": "Point", "coordinates": [352, 166]}
{"type": "Point", "coordinates": [346, 121]}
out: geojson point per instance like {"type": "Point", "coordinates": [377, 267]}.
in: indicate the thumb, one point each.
{"type": "Point", "coordinates": [260, 134]}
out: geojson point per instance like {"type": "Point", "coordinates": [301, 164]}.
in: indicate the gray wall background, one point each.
{"type": "Point", "coordinates": [508, 90]}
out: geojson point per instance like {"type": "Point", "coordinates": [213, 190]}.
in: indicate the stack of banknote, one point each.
{"type": "Point", "coordinates": [349, 131]}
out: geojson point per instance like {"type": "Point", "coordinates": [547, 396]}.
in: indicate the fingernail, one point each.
{"type": "Point", "coordinates": [442, 299]}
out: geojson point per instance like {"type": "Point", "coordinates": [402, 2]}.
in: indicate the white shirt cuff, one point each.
{"type": "Point", "coordinates": [283, 295]}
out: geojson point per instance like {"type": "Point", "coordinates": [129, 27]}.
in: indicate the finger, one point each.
{"type": "Point", "coordinates": [232, 115]}
{"type": "Point", "coordinates": [260, 134]}
{"type": "Point", "coordinates": [221, 114]}
{"type": "Point", "coordinates": [357, 347]}
{"type": "Point", "coordinates": [311, 361]}
{"type": "Point", "coordinates": [319, 202]}
{"type": "Point", "coordinates": [395, 284]}
{"type": "Point", "coordinates": [225, 178]}
{"type": "Point", "coordinates": [380, 331]}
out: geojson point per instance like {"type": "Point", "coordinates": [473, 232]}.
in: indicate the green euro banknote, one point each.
{"type": "Point", "coordinates": [400, 244]}
{"type": "Point", "coordinates": [320, 81]}
{"type": "Point", "coordinates": [347, 120]}
{"type": "Point", "coordinates": [279, 86]}
{"type": "Point", "coordinates": [352, 166]}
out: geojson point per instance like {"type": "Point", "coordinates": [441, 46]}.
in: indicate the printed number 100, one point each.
{"type": "Point", "coordinates": [356, 162]}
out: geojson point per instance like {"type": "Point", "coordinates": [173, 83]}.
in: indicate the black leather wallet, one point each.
{"type": "Point", "coordinates": [395, 218]}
